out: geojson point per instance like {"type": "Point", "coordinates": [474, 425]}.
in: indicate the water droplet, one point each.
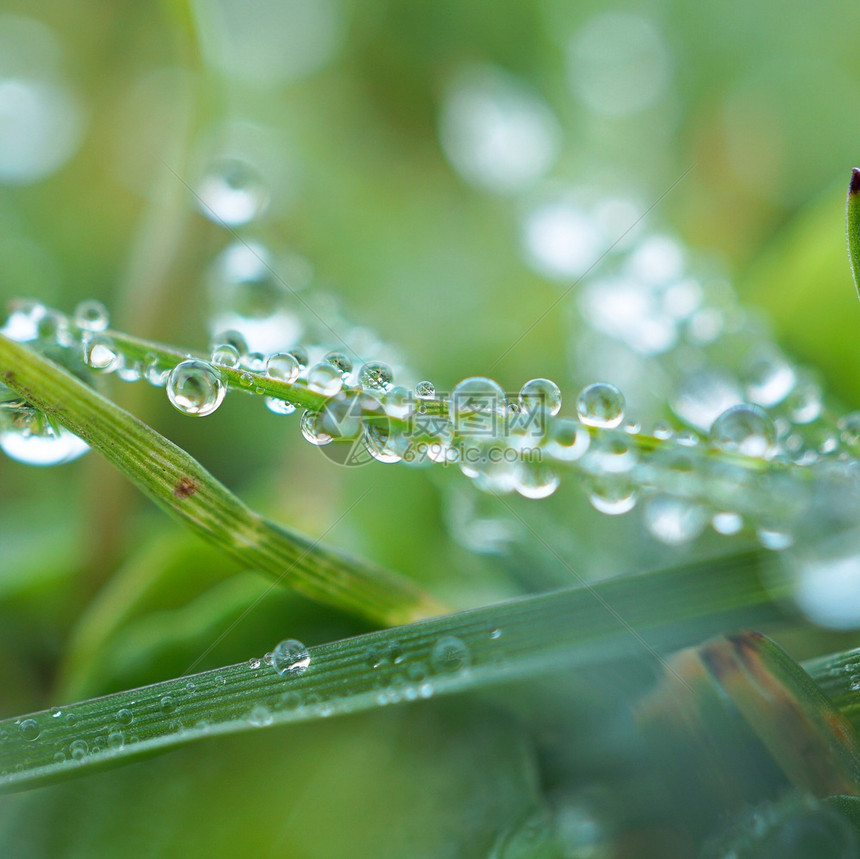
{"type": "Point", "coordinates": [477, 405]}
{"type": "Point", "coordinates": [536, 482]}
{"type": "Point", "coordinates": [540, 394]}
{"type": "Point", "coordinates": [283, 366]}
{"type": "Point", "coordinates": [727, 522]}
{"type": "Point", "coordinates": [116, 740]}
{"type": "Point", "coordinates": [325, 379]}
{"type": "Point", "coordinates": [399, 402]}
{"type": "Point", "coordinates": [124, 716]}
{"type": "Point", "coordinates": [342, 362]}
{"type": "Point", "coordinates": [300, 354]}
{"type": "Point", "coordinates": [804, 403]}
{"type": "Point", "coordinates": [449, 655]}
{"type": "Point", "coordinates": [425, 390]}
{"type": "Point", "coordinates": [744, 429]}
{"type": "Point", "coordinates": [254, 663]}
{"type": "Point", "coordinates": [610, 452]}
{"type": "Point", "coordinates": [31, 437]}
{"type": "Point", "coordinates": [662, 431]}
{"type": "Point", "coordinates": [601, 405]}
{"type": "Point", "coordinates": [255, 362]}
{"type": "Point", "coordinates": [167, 704]}
{"type": "Point", "coordinates": [232, 192]}
{"type": "Point", "coordinates": [849, 428]}
{"type": "Point", "coordinates": [56, 712]}
{"type": "Point", "coordinates": [29, 729]}
{"type": "Point", "coordinates": [234, 343]}
{"type": "Point", "coordinates": [566, 439]}
{"type": "Point", "coordinates": [195, 388]}
{"type": "Point", "coordinates": [91, 316]}
{"type": "Point", "coordinates": [79, 749]}
{"type": "Point", "coordinates": [495, 633]}
{"type": "Point", "coordinates": [674, 521]}
{"type": "Point", "coordinates": [260, 716]}
{"type": "Point", "coordinates": [279, 406]}
{"type": "Point", "coordinates": [770, 379]}
{"type": "Point", "coordinates": [291, 657]}
{"type": "Point", "coordinates": [100, 353]}
{"type": "Point", "coordinates": [226, 355]}
{"type": "Point", "coordinates": [774, 538]}
{"type": "Point", "coordinates": [612, 496]}
{"type": "Point", "coordinates": [312, 428]}
{"type": "Point", "coordinates": [376, 376]}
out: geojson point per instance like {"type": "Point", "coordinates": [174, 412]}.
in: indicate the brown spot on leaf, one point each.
{"type": "Point", "coordinates": [185, 487]}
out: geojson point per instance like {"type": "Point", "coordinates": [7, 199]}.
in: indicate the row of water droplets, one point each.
{"type": "Point", "coordinates": [503, 443]}
{"type": "Point", "coordinates": [395, 674]}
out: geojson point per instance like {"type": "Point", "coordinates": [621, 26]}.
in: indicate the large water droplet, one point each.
{"type": "Point", "coordinates": [29, 729]}
{"type": "Point", "coordinates": [340, 360]}
{"type": "Point", "coordinates": [325, 379]}
{"type": "Point", "coordinates": [31, 437]}
{"type": "Point", "coordinates": [375, 376]}
{"type": "Point", "coordinates": [601, 405]}
{"type": "Point", "coordinates": [291, 657]}
{"type": "Point", "coordinates": [744, 429]}
{"type": "Point", "coordinates": [195, 388]}
{"type": "Point", "coordinates": [425, 390]}
{"type": "Point", "coordinates": [477, 406]}
{"type": "Point", "coordinates": [541, 395]}
{"type": "Point", "coordinates": [312, 428]}
{"type": "Point", "coordinates": [613, 496]}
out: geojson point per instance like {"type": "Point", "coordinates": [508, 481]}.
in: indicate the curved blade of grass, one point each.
{"type": "Point", "coordinates": [179, 484]}
{"type": "Point", "coordinates": [465, 651]}
{"type": "Point", "coordinates": [852, 222]}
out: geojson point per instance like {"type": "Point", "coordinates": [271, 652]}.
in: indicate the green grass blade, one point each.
{"type": "Point", "coordinates": [475, 649]}
{"type": "Point", "coordinates": [180, 485]}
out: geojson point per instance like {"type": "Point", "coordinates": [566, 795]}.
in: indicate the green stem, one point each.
{"type": "Point", "coordinates": [180, 485]}
{"type": "Point", "coordinates": [852, 221]}
{"type": "Point", "coordinates": [647, 614]}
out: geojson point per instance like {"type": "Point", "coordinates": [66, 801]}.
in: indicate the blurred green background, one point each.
{"type": "Point", "coordinates": [393, 156]}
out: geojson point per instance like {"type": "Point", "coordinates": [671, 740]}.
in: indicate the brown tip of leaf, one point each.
{"type": "Point", "coordinates": [854, 187]}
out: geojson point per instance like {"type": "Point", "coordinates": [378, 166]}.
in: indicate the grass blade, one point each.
{"type": "Point", "coordinates": [180, 485]}
{"type": "Point", "coordinates": [466, 651]}
{"type": "Point", "coordinates": [852, 222]}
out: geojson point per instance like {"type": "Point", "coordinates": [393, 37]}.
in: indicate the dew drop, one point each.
{"type": "Point", "coordinates": [29, 729]}
{"type": "Point", "coordinates": [612, 496]}
{"type": "Point", "coordinates": [727, 522]}
{"type": "Point", "coordinates": [226, 355]}
{"type": "Point", "coordinates": [195, 388]}
{"type": "Point", "coordinates": [804, 403]}
{"type": "Point", "coordinates": [100, 353]}
{"type": "Point", "coordinates": [260, 716]}
{"type": "Point", "coordinates": [31, 437]}
{"type": "Point", "coordinates": [849, 428]}
{"type": "Point", "coordinates": [235, 344]}
{"type": "Point", "coordinates": [91, 315]}
{"type": "Point", "coordinates": [167, 704]}
{"type": "Point", "coordinates": [254, 663]}
{"type": "Point", "coordinates": [79, 749]}
{"type": "Point", "coordinates": [255, 362]}
{"type": "Point", "coordinates": [770, 379]}
{"type": "Point", "coordinates": [450, 655]}
{"type": "Point", "coordinates": [536, 482]}
{"type": "Point", "coordinates": [342, 362]}
{"type": "Point", "coordinates": [116, 740]}
{"type": "Point", "coordinates": [232, 192]}
{"type": "Point", "coordinates": [476, 405]}
{"type": "Point", "coordinates": [301, 356]}
{"type": "Point", "coordinates": [674, 521]}
{"type": "Point", "coordinates": [744, 429]}
{"type": "Point", "coordinates": [375, 376]}
{"type": "Point", "coordinates": [566, 440]}
{"type": "Point", "coordinates": [283, 366]}
{"type": "Point", "coordinates": [124, 716]}
{"type": "Point", "coordinates": [279, 406]}
{"type": "Point", "coordinates": [601, 405]}
{"type": "Point", "coordinates": [325, 379]}
{"type": "Point", "coordinates": [291, 657]}
{"type": "Point", "coordinates": [425, 390]}
{"type": "Point", "coordinates": [540, 395]}
{"type": "Point", "coordinates": [312, 428]}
